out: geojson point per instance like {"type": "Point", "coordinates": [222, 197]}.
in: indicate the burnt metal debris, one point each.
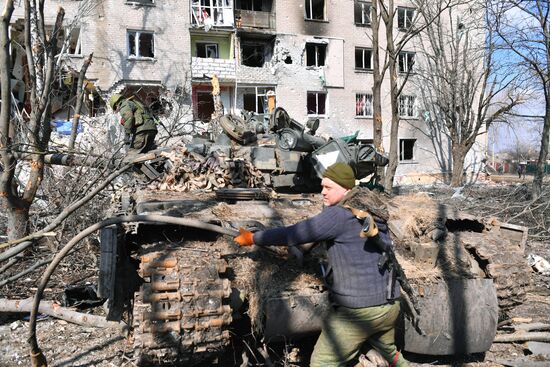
{"type": "Point", "coordinates": [184, 287]}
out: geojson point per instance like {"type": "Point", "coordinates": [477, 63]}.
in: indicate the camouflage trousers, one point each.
{"type": "Point", "coordinates": [143, 141]}
{"type": "Point", "coordinates": [347, 329]}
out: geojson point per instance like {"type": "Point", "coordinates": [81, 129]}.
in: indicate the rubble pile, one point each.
{"type": "Point", "coordinates": [189, 171]}
{"type": "Point", "coordinates": [437, 242]}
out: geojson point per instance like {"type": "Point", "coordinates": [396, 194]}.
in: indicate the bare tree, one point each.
{"type": "Point", "coordinates": [464, 91]}
{"type": "Point", "coordinates": [79, 100]}
{"type": "Point", "coordinates": [524, 29]}
{"type": "Point", "coordinates": [385, 13]}
{"type": "Point", "coordinates": [40, 51]}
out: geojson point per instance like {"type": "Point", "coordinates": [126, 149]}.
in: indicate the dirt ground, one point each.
{"type": "Point", "coordinates": [67, 344]}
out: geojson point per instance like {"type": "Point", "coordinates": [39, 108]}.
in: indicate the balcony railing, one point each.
{"type": "Point", "coordinates": [255, 19]}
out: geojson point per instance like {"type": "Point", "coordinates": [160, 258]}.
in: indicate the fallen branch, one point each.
{"type": "Point", "coordinates": [522, 337]}
{"type": "Point", "coordinates": [531, 327]}
{"type": "Point", "coordinates": [32, 236]}
{"type": "Point", "coordinates": [55, 310]}
{"type": "Point", "coordinates": [35, 266]}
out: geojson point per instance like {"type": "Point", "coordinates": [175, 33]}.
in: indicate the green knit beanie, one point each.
{"type": "Point", "coordinates": [342, 174]}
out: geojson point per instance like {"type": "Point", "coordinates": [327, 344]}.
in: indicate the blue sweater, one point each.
{"type": "Point", "coordinates": [355, 280]}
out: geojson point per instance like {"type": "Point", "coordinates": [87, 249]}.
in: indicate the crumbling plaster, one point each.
{"type": "Point", "coordinates": [103, 31]}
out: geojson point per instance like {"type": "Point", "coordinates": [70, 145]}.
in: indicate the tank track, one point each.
{"type": "Point", "coordinates": [179, 311]}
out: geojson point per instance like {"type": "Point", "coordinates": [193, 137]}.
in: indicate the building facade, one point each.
{"type": "Point", "coordinates": [315, 56]}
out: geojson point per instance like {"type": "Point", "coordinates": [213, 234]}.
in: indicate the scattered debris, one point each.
{"type": "Point", "coordinates": [539, 263]}
{"type": "Point", "coordinates": [189, 171]}
{"type": "Point", "coordinates": [81, 296]}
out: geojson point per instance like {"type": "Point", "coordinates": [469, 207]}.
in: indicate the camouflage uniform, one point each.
{"type": "Point", "coordinates": [139, 125]}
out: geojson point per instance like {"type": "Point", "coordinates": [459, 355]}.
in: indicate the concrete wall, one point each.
{"type": "Point", "coordinates": [103, 31]}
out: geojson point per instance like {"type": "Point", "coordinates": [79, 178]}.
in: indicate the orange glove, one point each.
{"type": "Point", "coordinates": [245, 238]}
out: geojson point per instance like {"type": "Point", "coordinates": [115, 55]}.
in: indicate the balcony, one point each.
{"type": "Point", "coordinates": [223, 68]}
{"type": "Point", "coordinates": [255, 19]}
{"type": "Point", "coordinates": [211, 13]}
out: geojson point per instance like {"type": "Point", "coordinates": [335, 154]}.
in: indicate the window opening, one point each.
{"type": "Point", "coordinates": [316, 103]}
{"type": "Point", "coordinates": [363, 105]}
{"type": "Point", "coordinates": [406, 149]}
{"type": "Point", "coordinates": [141, 44]}
{"type": "Point", "coordinates": [407, 106]}
{"type": "Point", "coordinates": [253, 54]}
{"type": "Point", "coordinates": [75, 47]}
{"type": "Point", "coordinates": [208, 50]}
{"type": "Point", "coordinates": [255, 99]}
{"type": "Point", "coordinates": [406, 62]}
{"type": "Point", "coordinates": [253, 5]}
{"type": "Point", "coordinates": [211, 12]}
{"type": "Point", "coordinates": [315, 9]}
{"type": "Point", "coordinates": [362, 12]}
{"type": "Point", "coordinates": [315, 54]}
{"type": "Point", "coordinates": [205, 106]}
{"type": "Point", "coordinates": [405, 18]}
{"type": "Point", "coordinates": [363, 58]}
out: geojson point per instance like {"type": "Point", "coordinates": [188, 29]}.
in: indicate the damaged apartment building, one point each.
{"type": "Point", "coordinates": [312, 57]}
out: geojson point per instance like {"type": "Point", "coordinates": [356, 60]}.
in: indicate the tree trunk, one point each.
{"type": "Point", "coordinates": [543, 154]}
{"type": "Point", "coordinates": [459, 155]}
{"type": "Point", "coordinates": [394, 100]}
{"type": "Point", "coordinates": [377, 78]}
{"type": "Point", "coordinates": [79, 98]}
{"type": "Point", "coordinates": [18, 222]}
{"type": "Point", "coordinates": [8, 164]}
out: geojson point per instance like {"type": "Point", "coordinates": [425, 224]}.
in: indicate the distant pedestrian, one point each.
{"type": "Point", "coordinates": [521, 170]}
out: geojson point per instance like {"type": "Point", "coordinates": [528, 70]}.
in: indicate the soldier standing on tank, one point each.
{"type": "Point", "coordinates": [138, 123]}
{"type": "Point", "coordinates": [362, 310]}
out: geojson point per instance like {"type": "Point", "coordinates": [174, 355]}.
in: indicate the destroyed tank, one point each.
{"type": "Point", "coordinates": [187, 289]}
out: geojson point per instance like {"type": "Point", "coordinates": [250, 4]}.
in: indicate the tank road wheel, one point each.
{"type": "Point", "coordinates": [179, 313]}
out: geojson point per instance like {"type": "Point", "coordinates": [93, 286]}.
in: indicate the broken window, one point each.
{"type": "Point", "coordinates": [316, 103]}
{"type": "Point", "coordinates": [315, 9]}
{"type": "Point", "coordinates": [141, 44]}
{"type": "Point", "coordinates": [210, 13]}
{"type": "Point", "coordinates": [253, 5]}
{"type": "Point", "coordinates": [205, 106]}
{"type": "Point", "coordinates": [253, 103]}
{"type": "Point", "coordinates": [406, 62]}
{"type": "Point", "coordinates": [363, 105]}
{"type": "Point", "coordinates": [75, 47]}
{"type": "Point", "coordinates": [363, 58]}
{"type": "Point", "coordinates": [362, 12]}
{"type": "Point", "coordinates": [406, 149]}
{"type": "Point", "coordinates": [255, 99]}
{"type": "Point", "coordinates": [405, 18]}
{"type": "Point", "coordinates": [315, 54]}
{"type": "Point", "coordinates": [207, 50]}
{"type": "Point", "coordinates": [407, 106]}
{"type": "Point", "coordinates": [255, 52]}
